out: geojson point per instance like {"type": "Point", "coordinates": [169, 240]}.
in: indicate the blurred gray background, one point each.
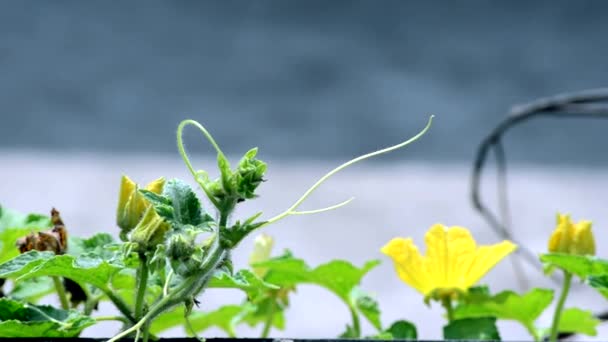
{"type": "Point", "coordinates": [91, 90]}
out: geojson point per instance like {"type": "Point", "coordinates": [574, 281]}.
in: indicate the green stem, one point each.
{"type": "Point", "coordinates": [268, 323]}
{"type": "Point", "coordinates": [142, 283]}
{"type": "Point", "coordinates": [180, 293]}
{"type": "Point", "coordinates": [182, 152]}
{"type": "Point", "coordinates": [61, 293]}
{"type": "Point", "coordinates": [120, 305]}
{"type": "Point", "coordinates": [533, 332]}
{"type": "Point", "coordinates": [447, 304]}
{"type": "Point", "coordinates": [356, 323]}
{"type": "Point", "coordinates": [167, 282]}
{"type": "Point", "coordinates": [112, 318]}
{"type": "Point", "coordinates": [223, 219]}
{"type": "Point", "coordinates": [146, 329]}
{"type": "Point", "coordinates": [89, 304]}
{"type": "Point", "coordinates": [560, 306]}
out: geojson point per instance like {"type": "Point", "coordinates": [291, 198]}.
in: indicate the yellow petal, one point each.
{"type": "Point", "coordinates": [156, 186]}
{"type": "Point", "coordinates": [125, 194]}
{"type": "Point", "coordinates": [486, 258]}
{"type": "Point", "coordinates": [409, 264]}
{"type": "Point", "coordinates": [127, 187]}
{"type": "Point", "coordinates": [584, 241]}
{"type": "Point", "coordinates": [450, 253]}
{"type": "Point", "coordinates": [555, 241]}
{"type": "Point", "coordinates": [562, 219]}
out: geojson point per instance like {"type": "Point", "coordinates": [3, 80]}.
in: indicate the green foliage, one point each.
{"type": "Point", "coordinates": [402, 330]}
{"type": "Point", "coordinates": [32, 290]}
{"type": "Point", "coordinates": [575, 320]}
{"type": "Point", "coordinates": [509, 305]}
{"type": "Point", "coordinates": [18, 319]}
{"type": "Point", "coordinates": [340, 277]}
{"type": "Point", "coordinates": [84, 269]}
{"type": "Point", "coordinates": [225, 318]}
{"type": "Point", "coordinates": [480, 329]}
{"type": "Point", "coordinates": [580, 265]}
{"type": "Point", "coordinates": [600, 283]}
{"type": "Point", "coordinates": [179, 205]}
{"type": "Point", "coordinates": [244, 280]}
{"type": "Point", "coordinates": [162, 265]}
{"type": "Point", "coordinates": [96, 244]}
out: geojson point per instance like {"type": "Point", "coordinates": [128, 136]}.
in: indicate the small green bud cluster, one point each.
{"type": "Point", "coordinates": [234, 186]}
{"type": "Point", "coordinates": [184, 255]}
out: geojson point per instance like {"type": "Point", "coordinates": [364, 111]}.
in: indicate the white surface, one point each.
{"type": "Point", "coordinates": [391, 199]}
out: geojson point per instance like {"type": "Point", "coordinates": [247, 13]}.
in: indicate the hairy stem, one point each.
{"type": "Point", "coordinates": [142, 283]}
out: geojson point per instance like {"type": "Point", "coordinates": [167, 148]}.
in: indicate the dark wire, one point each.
{"type": "Point", "coordinates": [591, 103]}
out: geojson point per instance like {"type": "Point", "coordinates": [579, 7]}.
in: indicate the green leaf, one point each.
{"type": "Point", "coordinates": [95, 244]}
{"type": "Point", "coordinates": [575, 320]}
{"type": "Point", "coordinates": [367, 305]}
{"type": "Point", "coordinates": [600, 284]}
{"type": "Point", "coordinates": [472, 329]}
{"type": "Point", "coordinates": [225, 318]}
{"type": "Point", "coordinates": [84, 269]}
{"type": "Point", "coordinates": [19, 319]}
{"type": "Point", "coordinates": [244, 280]}
{"type": "Point", "coordinates": [580, 265]}
{"type": "Point", "coordinates": [402, 330]}
{"type": "Point", "coordinates": [32, 290]}
{"type": "Point", "coordinates": [338, 276]}
{"type": "Point", "coordinates": [179, 205]}
{"type": "Point", "coordinates": [524, 309]}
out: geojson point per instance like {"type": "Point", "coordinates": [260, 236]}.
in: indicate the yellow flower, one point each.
{"type": "Point", "coordinates": [572, 238]}
{"type": "Point", "coordinates": [261, 252]}
{"type": "Point", "coordinates": [132, 204]}
{"type": "Point", "coordinates": [453, 263]}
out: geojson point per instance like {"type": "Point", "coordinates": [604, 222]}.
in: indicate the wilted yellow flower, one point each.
{"type": "Point", "coordinates": [572, 238]}
{"type": "Point", "coordinates": [262, 247]}
{"type": "Point", "coordinates": [132, 204]}
{"type": "Point", "coordinates": [453, 262]}
{"type": "Point", "coordinates": [150, 231]}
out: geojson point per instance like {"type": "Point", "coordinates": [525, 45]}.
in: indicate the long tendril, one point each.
{"type": "Point", "coordinates": [292, 210]}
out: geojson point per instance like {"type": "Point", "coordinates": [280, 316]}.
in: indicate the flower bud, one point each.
{"type": "Point", "coordinates": [150, 231]}
{"type": "Point", "coordinates": [570, 238]}
{"type": "Point", "coordinates": [262, 247]}
{"type": "Point", "coordinates": [132, 204]}
{"type": "Point", "coordinates": [180, 246]}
